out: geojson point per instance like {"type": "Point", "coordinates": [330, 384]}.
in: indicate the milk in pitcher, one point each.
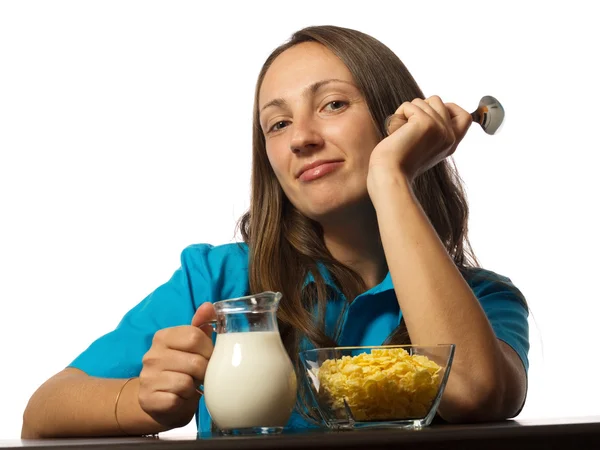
{"type": "Point", "coordinates": [250, 381]}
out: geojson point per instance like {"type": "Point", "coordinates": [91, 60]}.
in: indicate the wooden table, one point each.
{"type": "Point", "coordinates": [576, 433]}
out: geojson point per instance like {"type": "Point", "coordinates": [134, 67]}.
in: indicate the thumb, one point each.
{"type": "Point", "coordinates": [461, 120]}
{"type": "Point", "coordinates": [205, 313]}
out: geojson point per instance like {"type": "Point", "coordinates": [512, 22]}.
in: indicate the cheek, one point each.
{"type": "Point", "coordinates": [357, 135]}
{"type": "Point", "coordinates": [364, 140]}
{"type": "Point", "coordinates": [273, 158]}
{"type": "Point", "coordinates": [277, 161]}
{"type": "Point", "coordinates": [369, 136]}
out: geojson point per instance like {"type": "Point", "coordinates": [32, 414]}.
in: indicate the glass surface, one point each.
{"type": "Point", "coordinates": [245, 314]}
{"type": "Point", "coordinates": [348, 395]}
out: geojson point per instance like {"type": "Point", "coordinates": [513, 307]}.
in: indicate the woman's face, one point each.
{"type": "Point", "coordinates": [318, 130]}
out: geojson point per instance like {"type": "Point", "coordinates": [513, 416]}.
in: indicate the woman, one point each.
{"type": "Point", "coordinates": [368, 230]}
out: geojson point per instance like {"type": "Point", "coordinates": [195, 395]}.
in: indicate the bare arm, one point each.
{"type": "Point", "coordinates": [488, 380]}
{"type": "Point", "coordinates": [71, 403]}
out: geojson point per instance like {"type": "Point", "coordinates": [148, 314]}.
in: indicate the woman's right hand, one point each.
{"type": "Point", "coordinates": [174, 367]}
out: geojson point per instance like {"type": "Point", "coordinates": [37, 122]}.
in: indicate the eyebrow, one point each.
{"type": "Point", "coordinates": [312, 89]}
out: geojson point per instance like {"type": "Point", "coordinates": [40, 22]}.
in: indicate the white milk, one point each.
{"type": "Point", "coordinates": [250, 381]}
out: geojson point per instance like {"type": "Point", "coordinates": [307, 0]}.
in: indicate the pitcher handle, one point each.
{"type": "Point", "coordinates": [213, 325]}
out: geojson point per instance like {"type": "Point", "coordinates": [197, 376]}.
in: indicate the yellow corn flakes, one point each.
{"type": "Point", "coordinates": [385, 384]}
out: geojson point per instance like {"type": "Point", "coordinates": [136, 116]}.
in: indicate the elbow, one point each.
{"type": "Point", "coordinates": [28, 433]}
{"type": "Point", "coordinates": [471, 411]}
{"type": "Point", "coordinates": [35, 417]}
{"type": "Point", "coordinates": [29, 429]}
{"type": "Point", "coordinates": [489, 402]}
{"type": "Point", "coordinates": [486, 393]}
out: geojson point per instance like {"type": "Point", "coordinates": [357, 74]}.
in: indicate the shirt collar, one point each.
{"type": "Point", "coordinates": [384, 286]}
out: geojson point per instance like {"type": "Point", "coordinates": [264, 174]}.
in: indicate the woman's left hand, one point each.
{"type": "Point", "coordinates": [429, 132]}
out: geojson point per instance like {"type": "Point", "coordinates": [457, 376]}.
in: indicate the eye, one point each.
{"type": "Point", "coordinates": [335, 105]}
{"type": "Point", "coordinates": [278, 126]}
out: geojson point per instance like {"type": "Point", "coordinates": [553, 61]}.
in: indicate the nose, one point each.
{"type": "Point", "coordinates": [305, 136]}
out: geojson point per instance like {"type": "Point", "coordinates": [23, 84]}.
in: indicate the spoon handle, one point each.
{"type": "Point", "coordinates": [476, 116]}
{"type": "Point", "coordinates": [489, 115]}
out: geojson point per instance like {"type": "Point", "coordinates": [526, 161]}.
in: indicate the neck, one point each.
{"type": "Point", "coordinates": [353, 239]}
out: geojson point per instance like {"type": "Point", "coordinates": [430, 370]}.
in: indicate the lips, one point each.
{"type": "Point", "coordinates": [318, 169]}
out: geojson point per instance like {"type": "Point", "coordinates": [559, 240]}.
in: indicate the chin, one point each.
{"type": "Point", "coordinates": [327, 200]}
{"type": "Point", "coordinates": [328, 210]}
{"type": "Point", "coordinates": [317, 212]}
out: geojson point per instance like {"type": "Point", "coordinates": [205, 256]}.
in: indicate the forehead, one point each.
{"type": "Point", "coordinates": [298, 67]}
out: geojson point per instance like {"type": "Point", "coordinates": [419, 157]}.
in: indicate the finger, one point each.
{"type": "Point", "coordinates": [192, 364]}
{"type": "Point", "coordinates": [162, 402]}
{"type": "Point", "coordinates": [438, 105]}
{"type": "Point", "coordinates": [168, 391]}
{"type": "Point", "coordinates": [205, 313]}
{"type": "Point", "coordinates": [411, 129]}
{"type": "Point", "coordinates": [394, 122]}
{"type": "Point", "coordinates": [456, 111]}
{"type": "Point", "coordinates": [400, 117]}
{"type": "Point", "coordinates": [185, 338]}
{"type": "Point", "coordinates": [430, 111]}
{"type": "Point", "coordinates": [408, 112]}
{"type": "Point", "coordinates": [179, 384]}
{"type": "Point", "coordinates": [461, 120]}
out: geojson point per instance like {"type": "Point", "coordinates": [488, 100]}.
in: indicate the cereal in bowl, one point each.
{"type": "Point", "coordinates": [383, 384]}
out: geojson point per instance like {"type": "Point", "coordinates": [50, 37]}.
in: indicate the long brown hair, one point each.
{"type": "Point", "coordinates": [285, 246]}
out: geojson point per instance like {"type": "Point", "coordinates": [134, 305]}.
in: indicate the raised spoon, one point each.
{"type": "Point", "coordinates": [489, 114]}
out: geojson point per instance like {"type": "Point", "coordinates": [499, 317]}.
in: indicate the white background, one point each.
{"type": "Point", "coordinates": [125, 136]}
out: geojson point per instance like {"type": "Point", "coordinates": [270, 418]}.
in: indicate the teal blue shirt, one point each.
{"type": "Point", "coordinates": [211, 273]}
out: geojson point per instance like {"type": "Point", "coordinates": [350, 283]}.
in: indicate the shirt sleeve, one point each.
{"type": "Point", "coordinates": [118, 354]}
{"type": "Point", "coordinates": [505, 308]}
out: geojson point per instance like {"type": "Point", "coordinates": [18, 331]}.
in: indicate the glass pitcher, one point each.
{"type": "Point", "coordinates": [250, 383]}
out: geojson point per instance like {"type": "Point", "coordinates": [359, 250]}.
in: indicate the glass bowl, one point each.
{"type": "Point", "coordinates": [381, 386]}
